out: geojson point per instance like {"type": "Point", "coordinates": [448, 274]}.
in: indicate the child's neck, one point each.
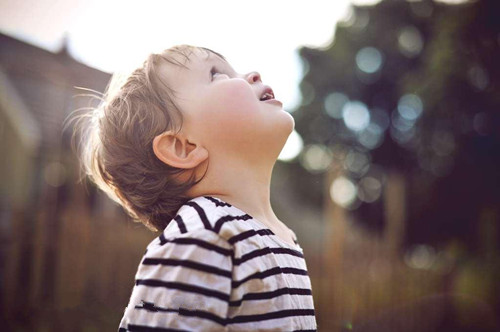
{"type": "Point", "coordinates": [259, 207]}
{"type": "Point", "coordinates": [246, 187]}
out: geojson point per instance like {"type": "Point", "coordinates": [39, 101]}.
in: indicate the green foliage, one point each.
{"type": "Point", "coordinates": [442, 57]}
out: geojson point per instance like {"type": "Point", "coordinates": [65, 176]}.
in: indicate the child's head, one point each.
{"type": "Point", "coordinates": [155, 137]}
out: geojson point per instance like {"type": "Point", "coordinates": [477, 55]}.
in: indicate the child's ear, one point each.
{"type": "Point", "coordinates": [174, 149]}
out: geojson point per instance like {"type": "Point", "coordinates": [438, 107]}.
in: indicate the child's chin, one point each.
{"type": "Point", "coordinates": [286, 129]}
{"type": "Point", "coordinates": [289, 123]}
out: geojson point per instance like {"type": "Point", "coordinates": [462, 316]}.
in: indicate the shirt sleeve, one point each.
{"type": "Point", "coordinates": [182, 283]}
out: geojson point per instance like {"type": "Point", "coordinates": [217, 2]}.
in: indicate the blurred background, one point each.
{"type": "Point", "coordinates": [391, 178]}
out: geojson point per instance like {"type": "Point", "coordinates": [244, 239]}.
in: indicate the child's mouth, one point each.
{"type": "Point", "coordinates": [267, 95]}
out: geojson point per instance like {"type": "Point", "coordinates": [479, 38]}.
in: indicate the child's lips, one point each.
{"type": "Point", "coordinates": [273, 101]}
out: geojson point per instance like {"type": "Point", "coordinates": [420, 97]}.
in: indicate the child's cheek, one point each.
{"type": "Point", "coordinates": [234, 104]}
{"type": "Point", "coordinates": [238, 96]}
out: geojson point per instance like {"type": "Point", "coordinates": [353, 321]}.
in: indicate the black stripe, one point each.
{"type": "Point", "coordinates": [162, 238]}
{"type": "Point", "coordinates": [199, 243]}
{"type": "Point", "coordinates": [180, 224]}
{"type": "Point", "coordinates": [266, 251]}
{"type": "Point", "coordinates": [142, 328]}
{"type": "Point", "coordinates": [313, 330]}
{"type": "Point", "coordinates": [270, 295]}
{"type": "Point", "coordinates": [270, 272]}
{"type": "Point", "coordinates": [217, 202]}
{"type": "Point", "coordinates": [202, 314]}
{"type": "Point", "coordinates": [183, 287]}
{"type": "Point", "coordinates": [287, 252]}
{"type": "Point", "coordinates": [222, 220]}
{"type": "Point", "coordinates": [250, 233]}
{"type": "Point", "coordinates": [222, 321]}
{"type": "Point", "coordinates": [201, 213]}
{"type": "Point", "coordinates": [271, 315]}
{"type": "Point", "coordinates": [151, 307]}
{"type": "Point", "coordinates": [185, 312]}
{"type": "Point", "coordinates": [187, 263]}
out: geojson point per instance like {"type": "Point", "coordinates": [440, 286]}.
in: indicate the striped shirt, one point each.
{"type": "Point", "coordinates": [215, 268]}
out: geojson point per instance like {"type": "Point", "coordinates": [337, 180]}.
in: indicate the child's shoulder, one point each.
{"type": "Point", "coordinates": [210, 216]}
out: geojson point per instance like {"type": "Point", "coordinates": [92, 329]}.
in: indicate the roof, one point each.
{"type": "Point", "coordinates": [45, 82]}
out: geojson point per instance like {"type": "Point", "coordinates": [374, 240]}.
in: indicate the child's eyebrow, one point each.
{"type": "Point", "coordinates": [210, 52]}
{"type": "Point", "coordinates": [217, 59]}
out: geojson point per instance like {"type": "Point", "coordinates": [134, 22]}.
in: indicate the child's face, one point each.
{"type": "Point", "coordinates": [222, 108]}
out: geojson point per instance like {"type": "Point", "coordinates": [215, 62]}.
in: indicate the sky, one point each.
{"type": "Point", "coordinates": [116, 35]}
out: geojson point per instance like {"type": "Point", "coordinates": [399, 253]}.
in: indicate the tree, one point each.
{"type": "Point", "coordinates": [413, 88]}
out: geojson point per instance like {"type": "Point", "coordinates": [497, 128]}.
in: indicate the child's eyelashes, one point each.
{"type": "Point", "coordinates": [214, 72]}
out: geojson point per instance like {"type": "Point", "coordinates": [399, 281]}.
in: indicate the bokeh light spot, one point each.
{"type": "Point", "coordinates": [410, 107]}
{"type": "Point", "coordinates": [401, 123]}
{"type": "Point", "coordinates": [316, 158]}
{"type": "Point", "coordinates": [357, 162]}
{"type": "Point", "coordinates": [369, 60]}
{"type": "Point", "coordinates": [369, 189]}
{"type": "Point", "coordinates": [410, 41]}
{"type": "Point", "coordinates": [420, 257]}
{"type": "Point", "coordinates": [343, 191]}
{"type": "Point", "coordinates": [334, 103]}
{"type": "Point", "coordinates": [480, 123]}
{"type": "Point", "coordinates": [356, 115]}
{"type": "Point", "coordinates": [478, 77]}
{"type": "Point", "coordinates": [292, 148]}
{"type": "Point", "coordinates": [372, 137]}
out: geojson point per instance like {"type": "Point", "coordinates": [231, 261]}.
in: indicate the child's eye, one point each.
{"type": "Point", "coordinates": [214, 72]}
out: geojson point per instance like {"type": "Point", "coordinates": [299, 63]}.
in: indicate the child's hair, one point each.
{"type": "Point", "coordinates": [115, 141]}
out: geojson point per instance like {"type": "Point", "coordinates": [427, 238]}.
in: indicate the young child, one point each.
{"type": "Point", "coordinates": [187, 145]}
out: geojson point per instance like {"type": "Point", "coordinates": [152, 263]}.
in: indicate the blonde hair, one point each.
{"type": "Point", "coordinates": [115, 141]}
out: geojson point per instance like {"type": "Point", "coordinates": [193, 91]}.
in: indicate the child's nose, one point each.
{"type": "Point", "coordinates": [254, 77]}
